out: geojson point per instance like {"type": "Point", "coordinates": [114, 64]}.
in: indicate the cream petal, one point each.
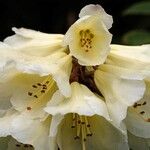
{"type": "Point", "coordinates": [105, 136]}
{"type": "Point", "coordinates": [140, 53]}
{"type": "Point", "coordinates": [34, 42]}
{"type": "Point", "coordinates": [82, 101]}
{"type": "Point", "coordinates": [56, 120]}
{"type": "Point", "coordinates": [138, 118]}
{"type": "Point", "coordinates": [119, 93]}
{"type": "Point", "coordinates": [32, 132]}
{"type": "Point", "coordinates": [15, 145]}
{"type": "Point", "coordinates": [137, 143]}
{"type": "Point", "coordinates": [124, 73]}
{"type": "Point", "coordinates": [4, 143]}
{"type": "Point", "coordinates": [97, 10]}
{"type": "Point", "coordinates": [5, 123]}
{"type": "Point", "coordinates": [132, 64]}
{"type": "Point", "coordinates": [93, 29]}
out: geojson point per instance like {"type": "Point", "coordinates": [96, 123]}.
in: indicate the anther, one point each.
{"type": "Point", "coordinates": [18, 145]}
{"type": "Point", "coordinates": [142, 112]}
{"type": "Point", "coordinates": [35, 96]}
{"type": "Point", "coordinates": [144, 103]}
{"type": "Point", "coordinates": [39, 84]}
{"type": "Point", "coordinates": [76, 137]}
{"type": "Point", "coordinates": [26, 145]}
{"type": "Point", "coordinates": [135, 105]}
{"type": "Point", "coordinates": [47, 82]}
{"type": "Point", "coordinates": [44, 87]}
{"type": "Point", "coordinates": [42, 91]}
{"type": "Point", "coordinates": [30, 93]}
{"type": "Point", "coordinates": [34, 86]}
{"type": "Point", "coordinates": [29, 108]}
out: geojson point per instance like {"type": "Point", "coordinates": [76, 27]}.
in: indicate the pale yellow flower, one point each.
{"type": "Point", "coordinates": [88, 38]}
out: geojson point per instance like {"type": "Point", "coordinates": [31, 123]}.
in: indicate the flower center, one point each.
{"type": "Point", "coordinates": [82, 126]}
{"type": "Point", "coordinates": [86, 39]}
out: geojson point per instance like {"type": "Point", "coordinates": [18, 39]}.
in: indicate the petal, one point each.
{"type": "Point", "coordinates": [15, 145]}
{"type": "Point", "coordinates": [32, 132]}
{"type": "Point", "coordinates": [138, 118]}
{"type": "Point", "coordinates": [119, 93]}
{"type": "Point", "coordinates": [132, 64]}
{"type": "Point", "coordinates": [88, 40]}
{"type": "Point", "coordinates": [105, 136]}
{"type": "Point", "coordinates": [124, 73]}
{"type": "Point", "coordinates": [82, 102]}
{"type": "Point", "coordinates": [4, 143]}
{"type": "Point", "coordinates": [137, 143]}
{"type": "Point", "coordinates": [97, 10]}
{"type": "Point", "coordinates": [34, 43]}
{"type": "Point", "coordinates": [5, 123]}
{"type": "Point", "coordinates": [140, 53]}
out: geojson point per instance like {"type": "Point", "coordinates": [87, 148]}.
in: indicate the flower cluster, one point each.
{"type": "Point", "coordinates": [74, 91]}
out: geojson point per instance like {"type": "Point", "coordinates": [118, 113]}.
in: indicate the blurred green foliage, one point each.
{"type": "Point", "coordinates": [138, 36]}
{"type": "Point", "coordinates": [141, 8]}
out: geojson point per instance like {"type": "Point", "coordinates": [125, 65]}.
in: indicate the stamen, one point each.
{"type": "Point", "coordinates": [18, 145]}
{"type": "Point", "coordinates": [82, 128]}
{"type": "Point", "coordinates": [86, 39]}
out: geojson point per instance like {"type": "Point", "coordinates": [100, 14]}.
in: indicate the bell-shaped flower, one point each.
{"type": "Point", "coordinates": [138, 118]}
{"type": "Point", "coordinates": [36, 53]}
{"type": "Point", "coordinates": [88, 38]}
{"type": "Point", "coordinates": [120, 88]}
{"type": "Point", "coordinates": [23, 116]}
{"type": "Point", "coordinates": [84, 117]}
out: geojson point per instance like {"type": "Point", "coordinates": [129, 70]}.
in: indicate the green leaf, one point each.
{"type": "Point", "coordinates": [140, 8]}
{"type": "Point", "coordinates": [136, 37]}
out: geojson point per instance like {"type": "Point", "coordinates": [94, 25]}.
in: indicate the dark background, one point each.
{"type": "Point", "coordinates": [55, 16]}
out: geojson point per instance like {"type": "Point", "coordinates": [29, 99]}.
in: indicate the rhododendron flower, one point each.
{"type": "Point", "coordinates": [50, 83]}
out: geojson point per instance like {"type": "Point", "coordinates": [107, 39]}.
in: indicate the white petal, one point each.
{"type": "Point", "coordinates": [119, 93]}
{"type": "Point", "coordinates": [56, 120]}
{"type": "Point", "coordinates": [34, 43]}
{"type": "Point", "coordinates": [124, 73]}
{"type": "Point", "coordinates": [138, 118]}
{"type": "Point", "coordinates": [82, 101]}
{"type": "Point", "coordinates": [128, 63]}
{"type": "Point", "coordinates": [15, 145]}
{"type": "Point", "coordinates": [32, 132]}
{"type": "Point", "coordinates": [140, 53]}
{"type": "Point", "coordinates": [137, 143]}
{"type": "Point", "coordinates": [5, 123]}
{"type": "Point", "coordinates": [90, 28]}
{"type": "Point", "coordinates": [97, 10]}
